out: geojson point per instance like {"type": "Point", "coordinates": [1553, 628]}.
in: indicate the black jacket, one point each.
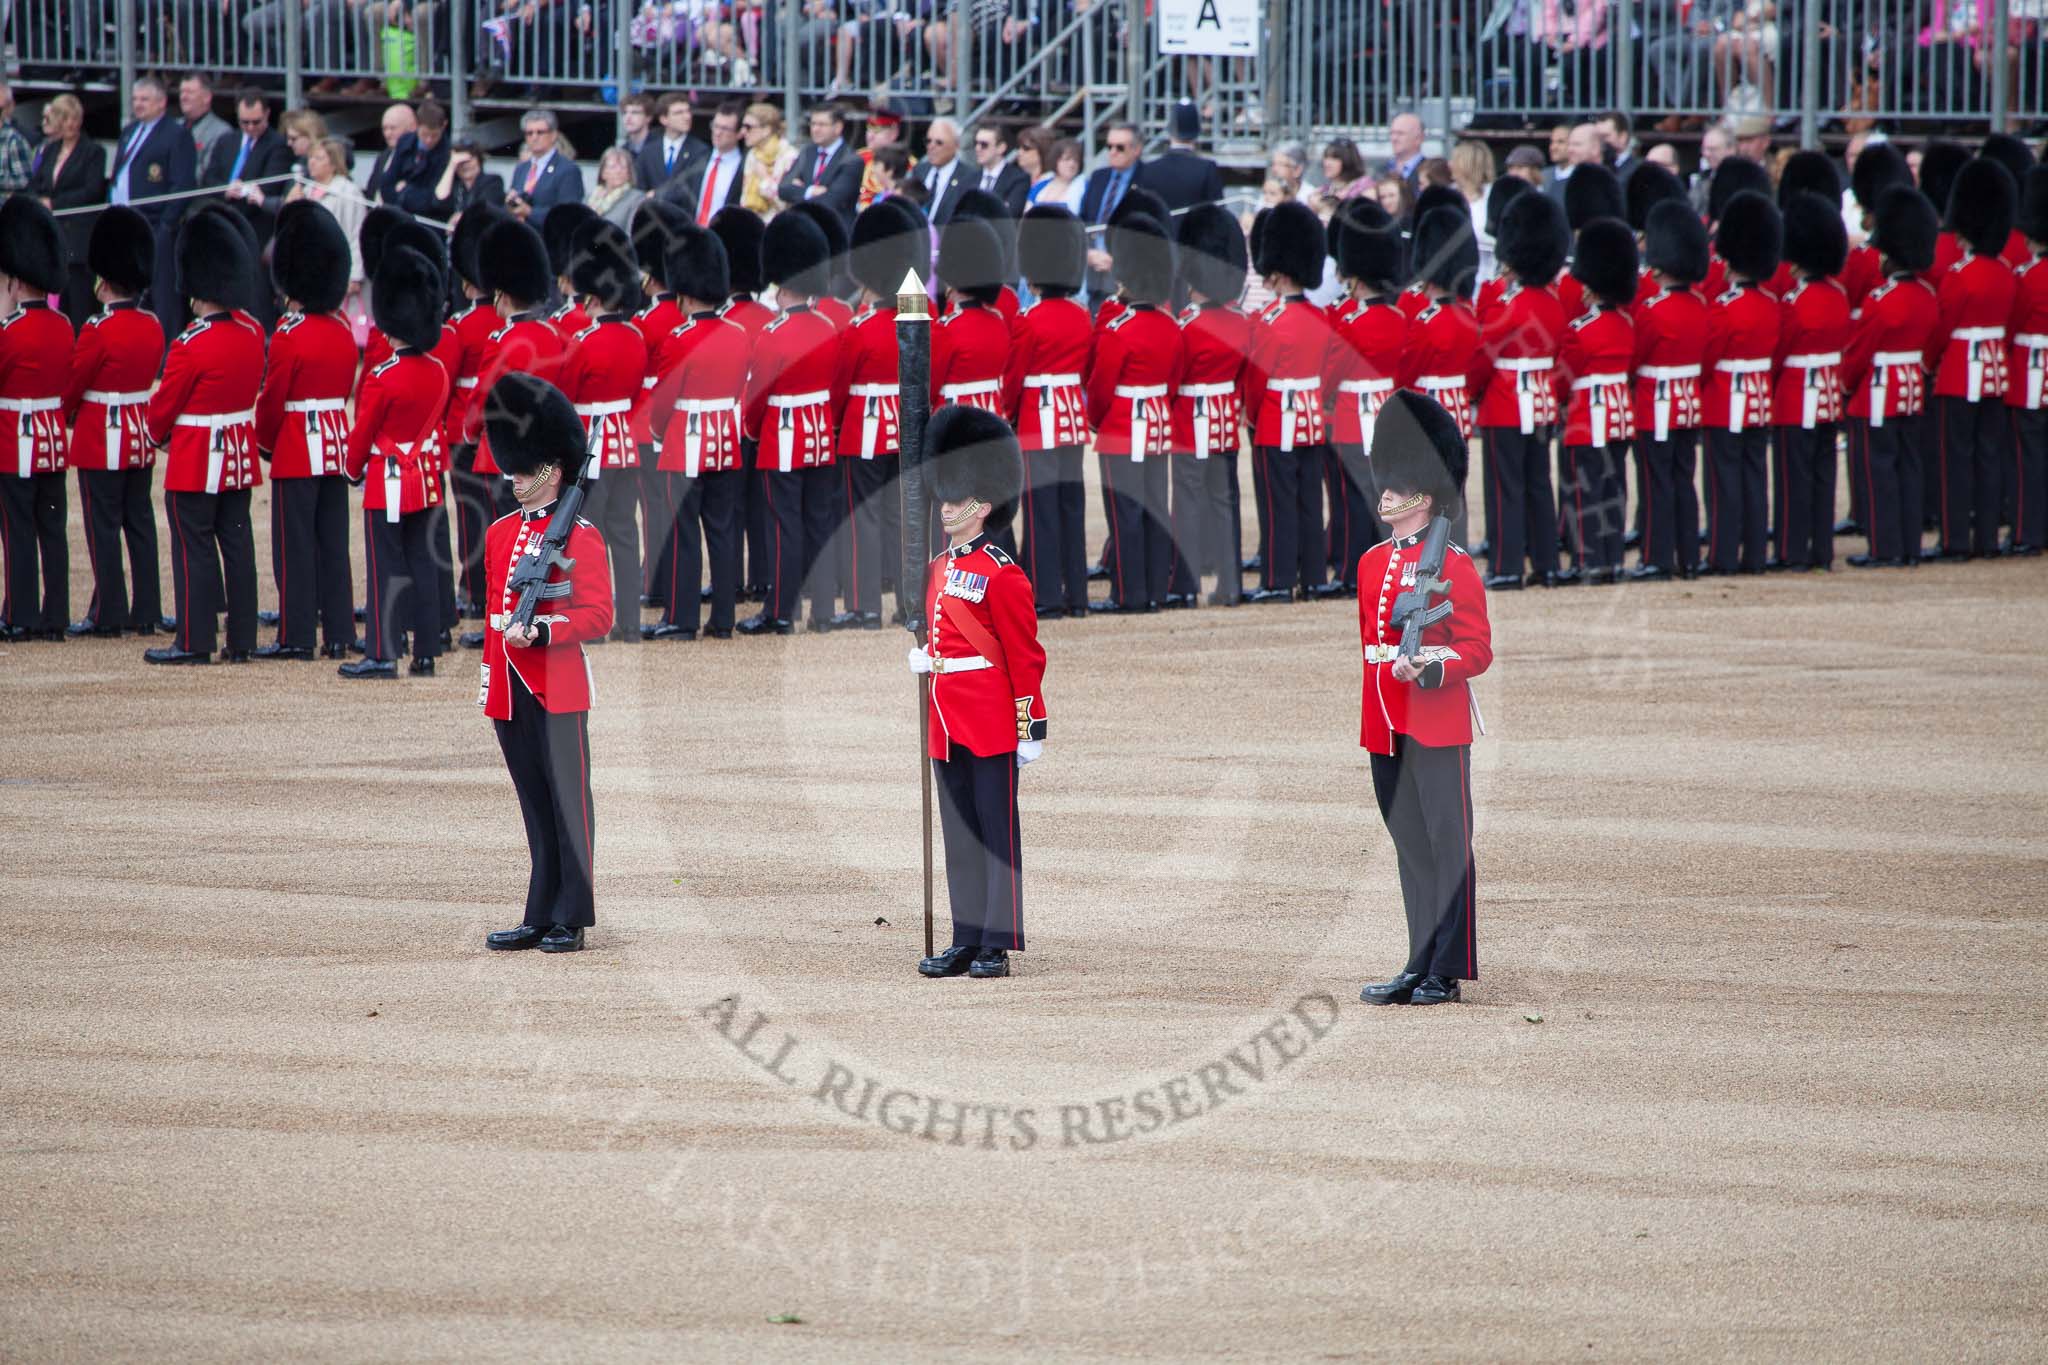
{"type": "Point", "coordinates": [1012, 186]}
{"type": "Point", "coordinates": [841, 179]}
{"type": "Point", "coordinates": [409, 175]}
{"type": "Point", "coordinates": [651, 170]}
{"type": "Point", "coordinates": [1183, 178]}
{"type": "Point", "coordinates": [270, 157]}
{"type": "Point", "coordinates": [81, 184]}
{"type": "Point", "coordinates": [162, 163]}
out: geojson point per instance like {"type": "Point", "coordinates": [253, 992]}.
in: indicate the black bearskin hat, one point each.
{"type": "Point", "coordinates": [309, 258]}
{"type": "Point", "coordinates": [430, 242]}
{"type": "Point", "coordinates": [123, 249]}
{"type": "Point", "coordinates": [214, 261]}
{"type": "Point", "coordinates": [1980, 210]}
{"type": "Point", "coordinates": [837, 280]}
{"type": "Point", "coordinates": [1533, 239]}
{"type": "Point", "coordinates": [464, 244]}
{"type": "Point", "coordinates": [657, 223]}
{"type": "Point", "coordinates": [530, 423]}
{"type": "Point", "coordinates": [2033, 215]}
{"type": "Point", "coordinates": [1144, 258]}
{"type": "Point", "coordinates": [1809, 172]}
{"type": "Point", "coordinates": [1439, 197]}
{"type": "Point", "coordinates": [558, 233]}
{"type": "Point", "coordinates": [1675, 242]}
{"type": "Point", "coordinates": [1604, 260]}
{"type": "Point", "coordinates": [890, 240]}
{"type": "Point", "coordinates": [695, 267]}
{"type": "Point", "coordinates": [1444, 252]}
{"type": "Point", "coordinates": [2009, 152]}
{"type": "Point", "coordinates": [979, 203]}
{"type": "Point", "coordinates": [405, 299]}
{"type": "Point", "coordinates": [1905, 227]}
{"type": "Point", "coordinates": [1880, 167]}
{"type": "Point", "coordinates": [1502, 193]}
{"type": "Point", "coordinates": [377, 225]}
{"type": "Point", "coordinates": [603, 266]}
{"type": "Point", "coordinates": [1369, 246]}
{"type": "Point", "coordinates": [1213, 257]}
{"type": "Point", "coordinates": [1417, 448]}
{"type": "Point", "coordinates": [1137, 199]}
{"type": "Point", "coordinates": [1940, 163]}
{"type": "Point", "coordinates": [1590, 192]}
{"type": "Point", "coordinates": [31, 248]}
{"type": "Point", "coordinates": [1052, 249]}
{"type": "Point", "coordinates": [795, 254]}
{"type": "Point", "coordinates": [973, 454]}
{"type": "Point", "coordinates": [1288, 239]}
{"type": "Point", "coordinates": [1735, 175]}
{"type": "Point", "coordinates": [1647, 186]}
{"type": "Point", "coordinates": [514, 261]}
{"type": "Point", "coordinates": [1750, 236]}
{"type": "Point", "coordinates": [971, 259]}
{"type": "Point", "coordinates": [742, 231]}
{"type": "Point", "coordinates": [1815, 238]}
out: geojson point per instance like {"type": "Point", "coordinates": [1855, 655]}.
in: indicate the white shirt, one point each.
{"type": "Point", "coordinates": [723, 168]}
{"type": "Point", "coordinates": [942, 176]}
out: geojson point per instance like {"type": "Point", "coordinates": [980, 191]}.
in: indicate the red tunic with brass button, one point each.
{"type": "Point", "coordinates": [1208, 399]}
{"type": "Point", "coordinates": [1512, 367]}
{"type": "Point", "coordinates": [1436, 710]}
{"type": "Point", "coordinates": [834, 310]}
{"type": "Point", "coordinates": [1364, 364]}
{"type": "Point", "coordinates": [396, 437]}
{"type": "Point", "coordinates": [1968, 350]}
{"type": "Point", "coordinates": [789, 403]}
{"type": "Point", "coordinates": [35, 370]}
{"type": "Point", "coordinates": [1283, 376]}
{"type": "Point", "coordinates": [1813, 327]}
{"type": "Point", "coordinates": [1742, 343]}
{"type": "Point", "coordinates": [1883, 366]}
{"type": "Point", "coordinates": [302, 414]}
{"type": "Point", "coordinates": [569, 320]}
{"type": "Point", "coordinates": [205, 407]}
{"type": "Point", "coordinates": [2027, 347]}
{"type": "Point", "coordinates": [1597, 360]}
{"type": "Point", "coordinates": [867, 379]}
{"type": "Point", "coordinates": [474, 327]}
{"type": "Point", "coordinates": [654, 322]}
{"type": "Point", "coordinates": [555, 672]}
{"type": "Point", "coordinates": [986, 711]}
{"type": "Point", "coordinates": [702, 364]}
{"type": "Point", "coordinates": [113, 366]}
{"type": "Point", "coordinates": [1043, 396]}
{"type": "Point", "coordinates": [1443, 345]}
{"type": "Point", "coordinates": [1131, 378]}
{"type": "Point", "coordinates": [601, 377]}
{"type": "Point", "coordinates": [970, 349]}
{"type": "Point", "coordinates": [525, 344]}
{"type": "Point", "coordinates": [1671, 336]}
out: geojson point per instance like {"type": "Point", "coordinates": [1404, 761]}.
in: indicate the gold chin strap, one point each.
{"type": "Point", "coordinates": [966, 514]}
{"type": "Point", "coordinates": [1413, 502]}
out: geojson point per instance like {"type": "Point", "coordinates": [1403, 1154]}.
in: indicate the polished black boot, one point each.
{"type": "Point", "coordinates": [509, 940]}
{"type": "Point", "coordinates": [952, 962]}
{"type": "Point", "coordinates": [990, 962]}
{"type": "Point", "coordinates": [1435, 990]}
{"type": "Point", "coordinates": [1392, 992]}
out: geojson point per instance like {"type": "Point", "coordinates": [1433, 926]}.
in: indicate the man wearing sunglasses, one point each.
{"type": "Point", "coordinates": [1000, 174]}
{"type": "Point", "coordinates": [252, 163]}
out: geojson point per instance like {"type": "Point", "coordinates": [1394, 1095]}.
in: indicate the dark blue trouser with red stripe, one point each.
{"type": "Point", "coordinates": [984, 849]}
{"type": "Point", "coordinates": [1425, 796]}
{"type": "Point", "coordinates": [548, 755]}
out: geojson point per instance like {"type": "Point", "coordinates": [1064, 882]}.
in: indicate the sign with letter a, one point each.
{"type": "Point", "coordinates": [1209, 28]}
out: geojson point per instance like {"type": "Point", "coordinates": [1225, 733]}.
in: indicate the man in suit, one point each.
{"type": "Point", "coordinates": [195, 106]}
{"type": "Point", "coordinates": [827, 169]}
{"type": "Point", "coordinates": [544, 178]}
{"type": "Point", "coordinates": [253, 164]}
{"type": "Point", "coordinates": [155, 156]}
{"type": "Point", "coordinates": [418, 160]}
{"type": "Point", "coordinates": [636, 125]}
{"type": "Point", "coordinates": [1617, 139]}
{"type": "Point", "coordinates": [1716, 145]}
{"type": "Point", "coordinates": [1182, 176]}
{"type": "Point", "coordinates": [1000, 173]}
{"type": "Point", "coordinates": [399, 125]}
{"type": "Point", "coordinates": [674, 153]}
{"type": "Point", "coordinates": [1583, 148]}
{"type": "Point", "coordinates": [941, 174]}
{"type": "Point", "coordinates": [1107, 185]}
{"type": "Point", "coordinates": [717, 182]}
{"type": "Point", "coordinates": [1404, 147]}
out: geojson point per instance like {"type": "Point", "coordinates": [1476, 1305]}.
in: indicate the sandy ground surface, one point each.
{"type": "Point", "coordinates": [1755, 1068]}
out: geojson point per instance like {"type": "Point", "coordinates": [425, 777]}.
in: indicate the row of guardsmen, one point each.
{"type": "Point", "coordinates": [742, 450]}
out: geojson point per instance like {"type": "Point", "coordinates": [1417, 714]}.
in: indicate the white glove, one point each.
{"type": "Point", "coordinates": [1029, 749]}
{"type": "Point", "coordinates": [920, 661]}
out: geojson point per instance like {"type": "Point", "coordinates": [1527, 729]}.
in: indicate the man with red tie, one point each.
{"type": "Point", "coordinates": [601, 376]}
{"type": "Point", "coordinates": [1208, 411]}
{"type": "Point", "coordinates": [1969, 362]}
{"type": "Point", "coordinates": [204, 412]}
{"type": "Point", "coordinates": [701, 369]}
{"type": "Point", "coordinates": [987, 697]}
{"type": "Point", "coordinates": [1131, 378]}
{"type": "Point", "coordinates": [393, 443]}
{"type": "Point", "coordinates": [119, 351]}
{"type": "Point", "coordinates": [35, 369]}
{"type": "Point", "coordinates": [535, 683]}
{"type": "Point", "coordinates": [1283, 399]}
{"type": "Point", "coordinates": [1417, 717]}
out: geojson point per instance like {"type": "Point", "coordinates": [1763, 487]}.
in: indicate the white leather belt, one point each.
{"type": "Point", "coordinates": [1973, 338]}
{"type": "Point", "coordinates": [1598, 381]}
{"type": "Point", "coordinates": [316, 405]}
{"type": "Point", "coordinates": [609, 408]}
{"type": "Point", "coordinates": [1809, 399]}
{"type": "Point", "coordinates": [25, 436]}
{"type": "Point", "coordinates": [1813, 362]}
{"type": "Point", "coordinates": [2033, 341]}
{"type": "Point", "coordinates": [1886, 359]}
{"type": "Point", "coordinates": [1052, 381]}
{"type": "Point", "coordinates": [1598, 385]}
{"type": "Point", "coordinates": [1437, 383]}
{"type": "Point", "coordinates": [1141, 397]}
{"type": "Point", "coordinates": [1522, 367]}
{"type": "Point", "coordinates": [593, 413]}
{"type": "Point", "coordinates": [785, 429]}
{"type": "Point", "coordinates": [1664, 376]}
{"type": "Point", "coordinates": [973, 663]}
{"type": "Point", "coordinates": [696, 409]}
{"type": "Point", "coordinates": [27, 405]}
{"type": "Point", "coordinates": [1201, 419]}
{"type": "Point", "coordinates": [1048, 416]}
{"type": "Point", "coordinates": [1286, 388]}
{"type": "Point", "coordinates": [1382, 654]}
{"type": "Point", "coordinates": [1666, 373]}
{"type": "Point", "coordinates": [2036, 344]}
{"type": "Point", "coordinates": [1365, 386]}
{"type": "Point", "coordinates": [1978, 334]}
{"type": "Point", "coordinates": [876, 390]}
{"type": "Point", "coordinates": [316, 442]}
{"type": "Point", "coordinates": [466, 382]}
{"type": "Point", "coordinates": [117, 400]}
{"type": "Point", "coordinates": [787, 401]}
{"type": "Point", "coordinates": [1140, 392]}
{"type": "Point", "coordinates": [214, 421]}
{"type": "Point", "coordinates": [953, 393]}
{"type": "Point", "coordinates": [647, 382]}
{"type": "Point", "coordinates": [1739, 389]}
{"type": "Point", "coordinates": [1309, 385]}
{"type": "Point", "coordinates": [1216, 390]}
{"type": "Point", "coordinates": [701, 405]}
{"type": "Point", "coordinates": [115, 403]}
{"type": "Point", "coordinates": [871, 396]}
{"type": "Point", "coordinates": [1756, 365]}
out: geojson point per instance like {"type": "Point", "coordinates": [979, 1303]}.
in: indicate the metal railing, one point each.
{"type": "Point", "coordinates": [1325, 67]}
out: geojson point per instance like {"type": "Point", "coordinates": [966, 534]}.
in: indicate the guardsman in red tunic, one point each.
{"type": "Point", "coordinates": [1417, 716]}
{"type": "Point", "coordinates": [204, 412]}
{"type": "Point", "coordinates": [1969, 362]}
{"type": "Point", "coordinates": [535, 684]}
{"type": "Point", "coordinates": [1283, 400]}
{"type": "Point", "coordinates": [113, 367]}
{"type": "Point", "coordinates": [514, 263]}
{"type": "Point", "coordinates": [1050, 348]}
{"type": "Point", "coordinates": [1518, 347]}
{"type": "Point", "coordinates": [601, 376]}
{"type": "Point", "coordinates": [829, 303]}
{"type": "Point", "coordinates": [1596, 360]}
{"type": "Point", "coordinates": [1590, 192]}
{"type": "Point", "coordinates": [987, 694]}
{"type": "Point", "coordinates": [655, 225]}
{"type": "Point", "coordinates": [2026, 390]}
{"type": "Point", "coordinates": [1671, 338]}
{"type": "Point", "coordinates": [35, 370]}
{"type": "Point", "coordinates": [558, 233]}
{"type": "Point", "coordinates": [1443, 339]}
{"type": "Point", "coordinates": [971, 343]}
{"type": "Point", "coordinates": [788, 413]}
{"type": "Point", "coordinates": [1883, 372]}
{"type": "Point", "coordinates": [2018, 160]}
{"type": "Point", "coordinates": [1208, 411]}
{"type": "Point", "coordinates": [890, 241]}
{"type": "Point", "coordinates": [701, 371]}
{"type": "Point", "coordinates": [1131, 377]}
{"type": "Point", "coordinates": [1941, 164]}
{"type": "Point", "coordinates": [302, 427]}
{"type": "Point", "coordinates": [1813, 327]}
{"type": "Point", "coordinates": [1742, 341]}
{"type": "Point", "coordinates": [393, 443]}
{"type": "Point", "coordinates": [479, 494]}
{"type": "Point", "coordinates": [742, 233]}
{"type": "Point", "coordinates": [1364, 361]}
{"type": "Point", "coordinates": [1878, 167]}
